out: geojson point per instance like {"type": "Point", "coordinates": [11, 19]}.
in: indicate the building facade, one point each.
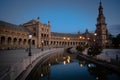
{"type": "Point", "coordinates": [16, 36]}
{"type": "Point", "coordinates": [101, 28]}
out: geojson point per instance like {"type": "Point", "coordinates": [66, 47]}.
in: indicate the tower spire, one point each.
{"type": "Point", "coordinates": [100, 8]}
{"type": "Point", "coordinates": [101, 18]}
{"type": "Point", "coordinates": [101, 27]}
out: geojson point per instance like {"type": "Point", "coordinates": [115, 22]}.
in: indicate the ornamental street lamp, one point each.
{"type": "Point", "coordinates": [95, 35]}
{"type": "Point", "coordinates": [64, 38]}
{"type": "Point", "coordinates": [30, 36]}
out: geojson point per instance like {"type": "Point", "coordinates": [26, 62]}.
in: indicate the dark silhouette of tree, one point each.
{"type": "Point", "coordinates": [80, 48]}
{"type": "Point", "coordinates": [116, 41]}
{"type": "Point", "coordinates": [94, 50]}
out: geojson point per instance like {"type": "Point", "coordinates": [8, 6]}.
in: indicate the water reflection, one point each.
{"type": "Point", "coordinates": [43, 68]}
{"type": "Point", "coordinates": [99, 72]}
{"type": "Point", "coordinates": [63, 67]}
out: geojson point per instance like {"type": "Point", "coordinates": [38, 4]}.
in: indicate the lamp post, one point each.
{"type": "Point", "coordinates": [42, 44]}
{"type": "Point", "coordinates": [64, 41]}
{"type": "Point", "coordinates": [68, 40]}
{"type": "Point", "coordinates": [30, 36]}
{"type": "Point", "coordinates": [95, 34]}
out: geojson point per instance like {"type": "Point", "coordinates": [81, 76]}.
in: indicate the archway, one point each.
{"type": "Point", "coordinates": [9, 40]}
{"type": "Point", "coordinates": [24, 42]}
{"type": "Point", "coordinates": [33, 43]}
{"type": "Point", "coordinates": [2, 40]}
{"type": "Point", "coordinates": [15, 42]}
{"type": "Point", "coordinates": [20, 42]}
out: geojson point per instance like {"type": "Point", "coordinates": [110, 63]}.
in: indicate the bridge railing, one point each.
{"type": "Point", "coordinates": [17, 68]}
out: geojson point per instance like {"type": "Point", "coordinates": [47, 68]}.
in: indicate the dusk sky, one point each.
{"type": "Point", "coordinates": [67, 16]}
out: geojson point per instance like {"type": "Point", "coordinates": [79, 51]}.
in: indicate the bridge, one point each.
{"type": "Point", "coordinates": [16, 64]}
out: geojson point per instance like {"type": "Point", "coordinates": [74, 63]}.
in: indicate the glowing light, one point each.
{"type": "Point", "coordinates": [49, 64]}
{"type": "Point", "coordinates": [95, 34]}
{"type": "Point", "coordinates": [83, 38]}
{"type": "Point", "coordinates": [69, 57]}
{"type": "Point", "coordinates": [30, 36]}
{"type": "Point", "coordinates": [68, 60]}
{"type": "Point", "coordinates": [81, 65]}
{"type": "Point", "coordinates": [64, 37]}
{"type": "Point", "coordinates": [97, 78]}
{"type": "Point", "coordinates": [41, 75]}
{"type": "Point", "coordinates": [89, 65]}
{"type": "Point", "coordinates": [68, 38]}
{"type": "Point", "coordinates": [64, 62]}
{"type": "Point", "coordinates": [80, 37]}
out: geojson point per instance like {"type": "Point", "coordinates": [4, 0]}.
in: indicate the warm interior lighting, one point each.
{"type": "Point", "coordinates": [95, 34]}
{"type": "Point", "coordinates": [64, 37]}
{"type": "Point", "coordinates": [68, 38]}
{"type": "Point", "coordinates": [80, 37]}
{"type": "Point", "coordinates": [83, 38]}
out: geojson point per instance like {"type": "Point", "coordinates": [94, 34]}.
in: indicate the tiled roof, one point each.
{"type": "Point", "coordinates": [64, 34]}
{"type": "Point", "coordinates": [7, 25]}
{"type": "Point", "coordinates": [31, 22]}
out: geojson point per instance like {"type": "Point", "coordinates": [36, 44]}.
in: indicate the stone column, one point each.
{"type": "Point", "coordinates": [5, 43]}
{"type": "Point", "coordinates": [11, 42]}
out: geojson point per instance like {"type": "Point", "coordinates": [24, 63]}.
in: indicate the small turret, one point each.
{"type": "Point", "coordinates": [48, 22]}
{"type": "Point", "coordinates": [38, 19]}
{"type": "Point", "coordinates": [86, 31]}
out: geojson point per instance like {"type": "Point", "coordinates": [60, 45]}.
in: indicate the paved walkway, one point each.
{"type": "Point", "coordinates": [13, 62]}
{"type": "Point", "coordinates": [109, 54]}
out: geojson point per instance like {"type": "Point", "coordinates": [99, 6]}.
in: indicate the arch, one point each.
{"type": "Point", "coordinates": [9, 40]}
{"type": "Point", "coordinates": [29, 41]}
{"type": "Point", "coordinates": [20, 42]}
{"type": "Point", "coordinates": [2, 40]}
{"type": "Point", "coordinates": [33, 42]}
{"type": "Point", "coordinates": [14, 41]}
{"type": "Point", "coordinates": [24, 42]}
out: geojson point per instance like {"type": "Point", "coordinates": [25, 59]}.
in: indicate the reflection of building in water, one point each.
{"type": "Point", "coordinates": [16, 36]}
{"type": "Point", "coordinates": [42, 69]}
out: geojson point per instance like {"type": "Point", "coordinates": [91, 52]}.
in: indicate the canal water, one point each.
{"type": "Point", "coordinates": [67, 67]}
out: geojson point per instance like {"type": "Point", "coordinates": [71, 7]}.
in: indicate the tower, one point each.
{"type": "Point", "coordinates": [101, 27]}
{"type": "Point", "coordinates": [38, 32]}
